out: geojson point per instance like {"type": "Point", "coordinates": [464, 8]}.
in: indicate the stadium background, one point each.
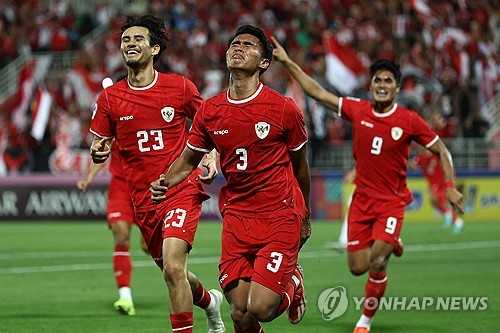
{"type": "Point", "coordinates": [54, 55]}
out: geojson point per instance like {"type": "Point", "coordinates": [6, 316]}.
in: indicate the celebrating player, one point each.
{"type": "Point", "coordinates": [429, 164]}
{"type": "Point", "coordinates": [146, 115]}
{"type": "Point", "coordinates": [382, 134]}
{"type": "Point", "coordinates": [261, 138]}
{"type": "Point", "coordinates": [120, 216]}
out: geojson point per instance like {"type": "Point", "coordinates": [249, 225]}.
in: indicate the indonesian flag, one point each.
{"type": "Point", "coordinates": [23, 94]}
{"type": "Point", "coordinates": [344, 70]}
{"type": "Point", "coordinates": [83, 86]}
{"type": "Point", "coordinates": [33, 71]}
{"type": "Point", "coordinates": [40, 113]}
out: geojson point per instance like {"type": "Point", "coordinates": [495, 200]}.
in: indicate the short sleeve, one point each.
{"type": "Point", "coordinates": [294, 126]}
{"type": "Point", "coordinates": [198, 136]}
{"type": "Point", "coordinates": [102, 123]}
{"type": "Point", "coordinates": [421, 131]}
{"type": "Point", "coordinates": [192, 98]}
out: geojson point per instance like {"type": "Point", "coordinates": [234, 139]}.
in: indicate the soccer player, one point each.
{"type": "Point", "coordinates": [382, 134]}
{"type": "Point", "coordinates": [146, 115]}
{"type": "Point", "coordinates": [261, 138]}
{"type": "Point", "coordinates": [429, 164]}
{"type": "Point", "coordinates": [120, 216]}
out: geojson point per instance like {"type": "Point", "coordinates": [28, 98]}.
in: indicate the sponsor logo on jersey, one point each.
{"type": "Point", "coordinates": [221, 132]}
{"type": "Point", "coordinates": [396, 133]}
{"type": "Point", "coordinates": [367, 124]}
{"type": "Point", "coordinates": [167, 113]}
{"type": "Point", "coordinates": [126, 118]}
{"type": "Point", "coordinates": [262, 129]}
{"type": "Point", "coordinates": [114, 214]}
{"type": "Point", "coordinates": [225, 276]}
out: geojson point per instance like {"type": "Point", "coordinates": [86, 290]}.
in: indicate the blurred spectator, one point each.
{"type": "Point", "coordinates": [448, 52]}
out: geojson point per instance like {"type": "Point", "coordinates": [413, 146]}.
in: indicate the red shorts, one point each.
{"type": "Point", "coordinates": [177, 217]}
{"type": "Point", "coordinates": [119, 206]}
{"type": "Point", "coordinates": [370, 219]}
{"type": "Point", "coordinates": [264, 250]}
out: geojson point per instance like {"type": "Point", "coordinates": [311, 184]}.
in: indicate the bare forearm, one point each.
{"type": "Point", "coordinates": [93, 170]}
{"type": "Point", "coordinates": [445, 160]}
{"type": "Point", "coordinates": [179, 170]}
{"type": "Point", "coordinates": [304, 181]}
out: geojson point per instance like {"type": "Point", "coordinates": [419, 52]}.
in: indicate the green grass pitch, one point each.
{"type": "Point", "coordinates": [57, 277]}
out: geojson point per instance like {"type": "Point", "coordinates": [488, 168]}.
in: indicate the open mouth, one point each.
{"type": "Point", "coordinates": [382, 92]}
{"type": "Point", "coordinates": [132, 53]}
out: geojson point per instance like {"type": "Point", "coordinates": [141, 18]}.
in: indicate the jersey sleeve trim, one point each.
{"type": "Point", "coordinates": [432, 142]}
{"type": "Point", "coordinates": [298, 147]}
{"type": "Point", "coordinates": [197, 148]}
{"type": "Point", "coordinates": [99, 135]}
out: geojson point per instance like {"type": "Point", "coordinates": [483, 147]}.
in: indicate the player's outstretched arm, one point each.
{"type": "Point", "coordinates": [310, 86]}
{"type": "Point", "coordinates": [454, 196]}
{"type": "Point", "coordinates": [83, 184]}
{"type": "Point", "coordinates": [180, 169]}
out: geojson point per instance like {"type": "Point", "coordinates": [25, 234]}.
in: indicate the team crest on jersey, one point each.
{"type": "Point", "coordinates": [396, 133]}
{"type": "Point", "coordinates": [262, 129]}
{"type": "Point", "coordinates": [168, 113]}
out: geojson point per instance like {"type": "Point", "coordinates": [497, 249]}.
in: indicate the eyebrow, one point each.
{"type": "Point", "coordinates": [135, 36]}
{"type": "Point", "coordinates": [246, 42]}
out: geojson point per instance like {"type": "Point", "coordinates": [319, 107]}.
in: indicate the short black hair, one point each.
{"type": "Point", "coordinates": [388, 65]}
{"type": "Point", "coordinates": [267, 48]}
{"type": "Point", "coordinates": [156, 27]}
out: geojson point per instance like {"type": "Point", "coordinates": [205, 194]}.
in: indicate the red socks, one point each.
{"type": "Point", "coordinates": [122, 265]}
{"type": "Point", "coordinates": [182, 322]}
{"type": "Point", "coordinates": [375, 289]}
{"type": "Point", "coordinates": [201, 297]}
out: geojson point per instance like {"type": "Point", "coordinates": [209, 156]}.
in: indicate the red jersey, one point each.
{"type": "Point", "coordinates": [115, 166]}
{"type": "Point", "coordinates": [253, 137]}
{"type": "Point", "coordinates": [381, 146]}
{"type": "Point", "coordinates": [431, 167]}
{"type": "Point", "coordinates": [149, 127]}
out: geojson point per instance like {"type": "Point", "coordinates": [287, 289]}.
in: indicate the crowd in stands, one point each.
{"type": "Point", "coordinates": [448, 51]}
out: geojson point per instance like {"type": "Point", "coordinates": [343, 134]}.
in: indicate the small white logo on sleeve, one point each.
{"type": "Point", "coordinates": [94, 111]}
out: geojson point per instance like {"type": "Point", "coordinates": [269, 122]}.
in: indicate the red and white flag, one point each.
{"type": "Point", "coordinates": [344, 70]}
{"type": "Point", "coordinates": [33, 71]}
{"type": "Point", "coordinates": [23, 94]}
{"type": "Point", "coordinates": [40, 113]}
{"type": "Point", "coordinates": [83, 86]}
